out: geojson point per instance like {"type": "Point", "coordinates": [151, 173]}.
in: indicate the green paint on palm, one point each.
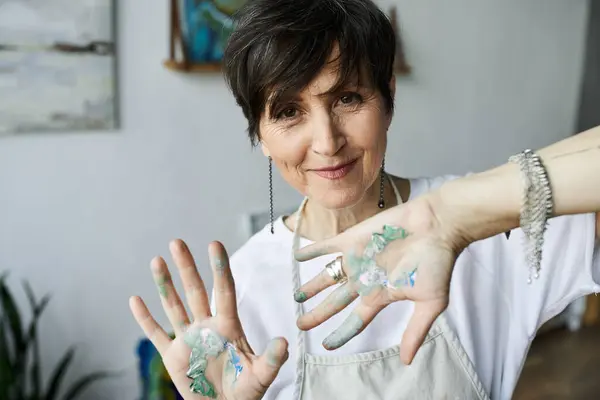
{"type": "Point", "coordinates": [380, 240]}
{"type": "Point", "coordinates": [364, 270]}
{"type": "Point", "coordinates": [392, 233]}
{"type": "Point", "coordinates": [365, 273]}
{"type": "Point", "coordinates": [204, 344]}
{"type": "Point", "coordinates": [201, 385]}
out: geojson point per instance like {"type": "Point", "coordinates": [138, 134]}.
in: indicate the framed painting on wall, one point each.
{"type": "Point", "coordinates": [199, 32]}
{"type": "Point", "coordinates": [57, 66]}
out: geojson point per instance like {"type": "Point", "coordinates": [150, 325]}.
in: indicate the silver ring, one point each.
{"type": "Point", "coordinates": [335, 270]}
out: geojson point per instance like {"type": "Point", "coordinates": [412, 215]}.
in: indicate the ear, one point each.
{"type": "Point", "coordinates": [393, 93]}
{"type": "Point", "coordinates": [265, 149]}
{"type": "Point", "coordinates": [393, 86]}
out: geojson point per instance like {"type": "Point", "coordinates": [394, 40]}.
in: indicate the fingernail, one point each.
{"type": "Point", "coordinates": [300, 297]}
{"type": "Point", "coordinates": [286, 356]}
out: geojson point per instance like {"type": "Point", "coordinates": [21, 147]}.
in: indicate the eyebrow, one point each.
{"type": "Point", "coordinates": [338, 88]}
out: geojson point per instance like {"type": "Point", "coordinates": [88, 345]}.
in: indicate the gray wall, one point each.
{"type": "Point", "coordinates": [589, 112]}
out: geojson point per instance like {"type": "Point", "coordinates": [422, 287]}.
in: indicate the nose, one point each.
{"type": "Point", "coordinates": [327, 138]}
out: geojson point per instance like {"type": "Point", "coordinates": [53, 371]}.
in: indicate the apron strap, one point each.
{"type": "Point", "coordinates": [300, 336]}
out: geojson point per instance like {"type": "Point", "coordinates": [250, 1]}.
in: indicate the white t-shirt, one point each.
{"type": "Point", "coordinates": [492, 309]}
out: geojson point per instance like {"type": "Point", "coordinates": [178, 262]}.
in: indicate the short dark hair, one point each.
{"type": "Point", "coordinates": [280, 46]}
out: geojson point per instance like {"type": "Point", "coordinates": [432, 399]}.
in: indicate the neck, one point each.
{"type": "Point", "coordinates": [320, 223]}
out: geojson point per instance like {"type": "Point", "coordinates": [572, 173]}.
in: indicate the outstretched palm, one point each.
{"type": "Point", "coordinates": [400, 254]}
{"type": "Point", "coordinates": [223, 363]}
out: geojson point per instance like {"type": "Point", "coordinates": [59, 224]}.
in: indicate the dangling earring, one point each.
{"type": "Point", "coordinates": [381, 183]}
{"type": "Point", "coordinates": [271, 194]}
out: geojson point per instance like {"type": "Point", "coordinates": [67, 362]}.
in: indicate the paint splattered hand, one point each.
{"type": "Point", "coordinates": [400, 254]}
{"type": "Point", "coordinates": [209, 357]}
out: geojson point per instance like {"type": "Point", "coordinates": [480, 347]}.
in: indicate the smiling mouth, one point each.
{"type": "Point", "coordinates": [336, 172]}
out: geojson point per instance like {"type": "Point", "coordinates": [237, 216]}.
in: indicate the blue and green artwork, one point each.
{"type": "Point", "coordinates": [206, 26]}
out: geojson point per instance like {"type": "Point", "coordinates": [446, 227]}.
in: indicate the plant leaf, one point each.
{"type": "Point", "coordinates": [30, 295]}
{"type": "Point", "coordinates": [59, 373]}
{"type": "Point", "coordinates": [37, 310]}
{"type": "Point", "coordinates": [12, 313]}
{"type": "Point", "coordinates": [13, 320]}
{"type": "Point", "coordinates": [6, 370]}
{"type": "Point", "coordinates": [82, 383]}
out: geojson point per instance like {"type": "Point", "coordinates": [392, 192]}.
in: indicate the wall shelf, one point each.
{"type": "Point", "coordinates": [181, 66]}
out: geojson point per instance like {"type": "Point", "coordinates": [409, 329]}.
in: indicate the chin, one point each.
{"type": "Point", "coordinates": [340, 198]}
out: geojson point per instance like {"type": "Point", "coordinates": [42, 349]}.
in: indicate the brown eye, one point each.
{"type": "Point", "coordinates": [350, 98]}
{"type": "Point", "coordinates": [289, 112]}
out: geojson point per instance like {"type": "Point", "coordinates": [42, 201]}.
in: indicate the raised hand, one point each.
{"type": "Point", "coordinates": [223, 365]}
{"type": "Point", "coordinates": [404, 253]}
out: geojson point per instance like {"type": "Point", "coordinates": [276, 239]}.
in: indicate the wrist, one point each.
{"type": "Point", "coordinates": [481, 205]}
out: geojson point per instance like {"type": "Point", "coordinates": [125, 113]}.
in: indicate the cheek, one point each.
{"type": "Point", "coordinates": [287, 155]}
{"type": "Point", "coordinates": [368, 131]}
{"type": "Point", "coordinates": [289, 158]}
{"type": "Point", "coordinates": [287, 149]}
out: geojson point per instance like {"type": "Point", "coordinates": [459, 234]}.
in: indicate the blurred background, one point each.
{"type": "Point", "coordinates": [107, 153]}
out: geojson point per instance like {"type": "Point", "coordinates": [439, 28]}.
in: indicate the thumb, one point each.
{"type": "Point", "coordinates": [268, 364]}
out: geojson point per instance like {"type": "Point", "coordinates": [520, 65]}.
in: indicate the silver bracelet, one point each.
{"type": "Point", "coordinates": [536, 209]}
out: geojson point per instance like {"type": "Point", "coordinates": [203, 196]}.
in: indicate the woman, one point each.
{"type": "Point", "coordinates": [314, 80]}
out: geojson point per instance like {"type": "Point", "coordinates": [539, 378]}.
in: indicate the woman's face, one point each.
{"type": "Point", "coordinates": [329, 145]}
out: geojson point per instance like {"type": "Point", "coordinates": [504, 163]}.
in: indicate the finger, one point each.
{"type": "Point", "coordinates": [356, 322]}
{"type": "Point", "coordinates": [268, 364]}
{"type": "Point", "coordinates": [193, 286]}
{"type": "Point", "coordinates": [339, 299]}
{"type": "Point", "coordinates": [150, 327]}
{"type": "Point", "coordinates": [316, 285]}
{"type": "Point", "coordinates": [419, 325]}
{"type": "Point", "coordinates": [224, 286]}
{"type": "Point", "coordinates": [169, 298]}
{"type": "Point", "coordinates": [317, 249]}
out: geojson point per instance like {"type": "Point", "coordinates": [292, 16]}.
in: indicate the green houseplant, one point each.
{"type": "Point", "coordinates": [20, 371]}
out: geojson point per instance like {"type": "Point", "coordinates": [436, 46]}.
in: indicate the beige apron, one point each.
{"type": "Point", "coordinates": [440, 370]}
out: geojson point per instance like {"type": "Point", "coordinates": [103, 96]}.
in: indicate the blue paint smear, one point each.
{"type": "Point", "coordinates": [235, 361]}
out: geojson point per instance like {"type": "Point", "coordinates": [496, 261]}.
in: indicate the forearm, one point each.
{"type": "Point", "coordinates": [488, 203]}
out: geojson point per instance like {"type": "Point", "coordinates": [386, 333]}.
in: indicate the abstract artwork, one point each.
{"type": "Point", "coordinates": [57, 66]}
{"type": "Point", "coordinates": [155, 380]}
{"type": "Point", "coordinates": [202, 28]}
